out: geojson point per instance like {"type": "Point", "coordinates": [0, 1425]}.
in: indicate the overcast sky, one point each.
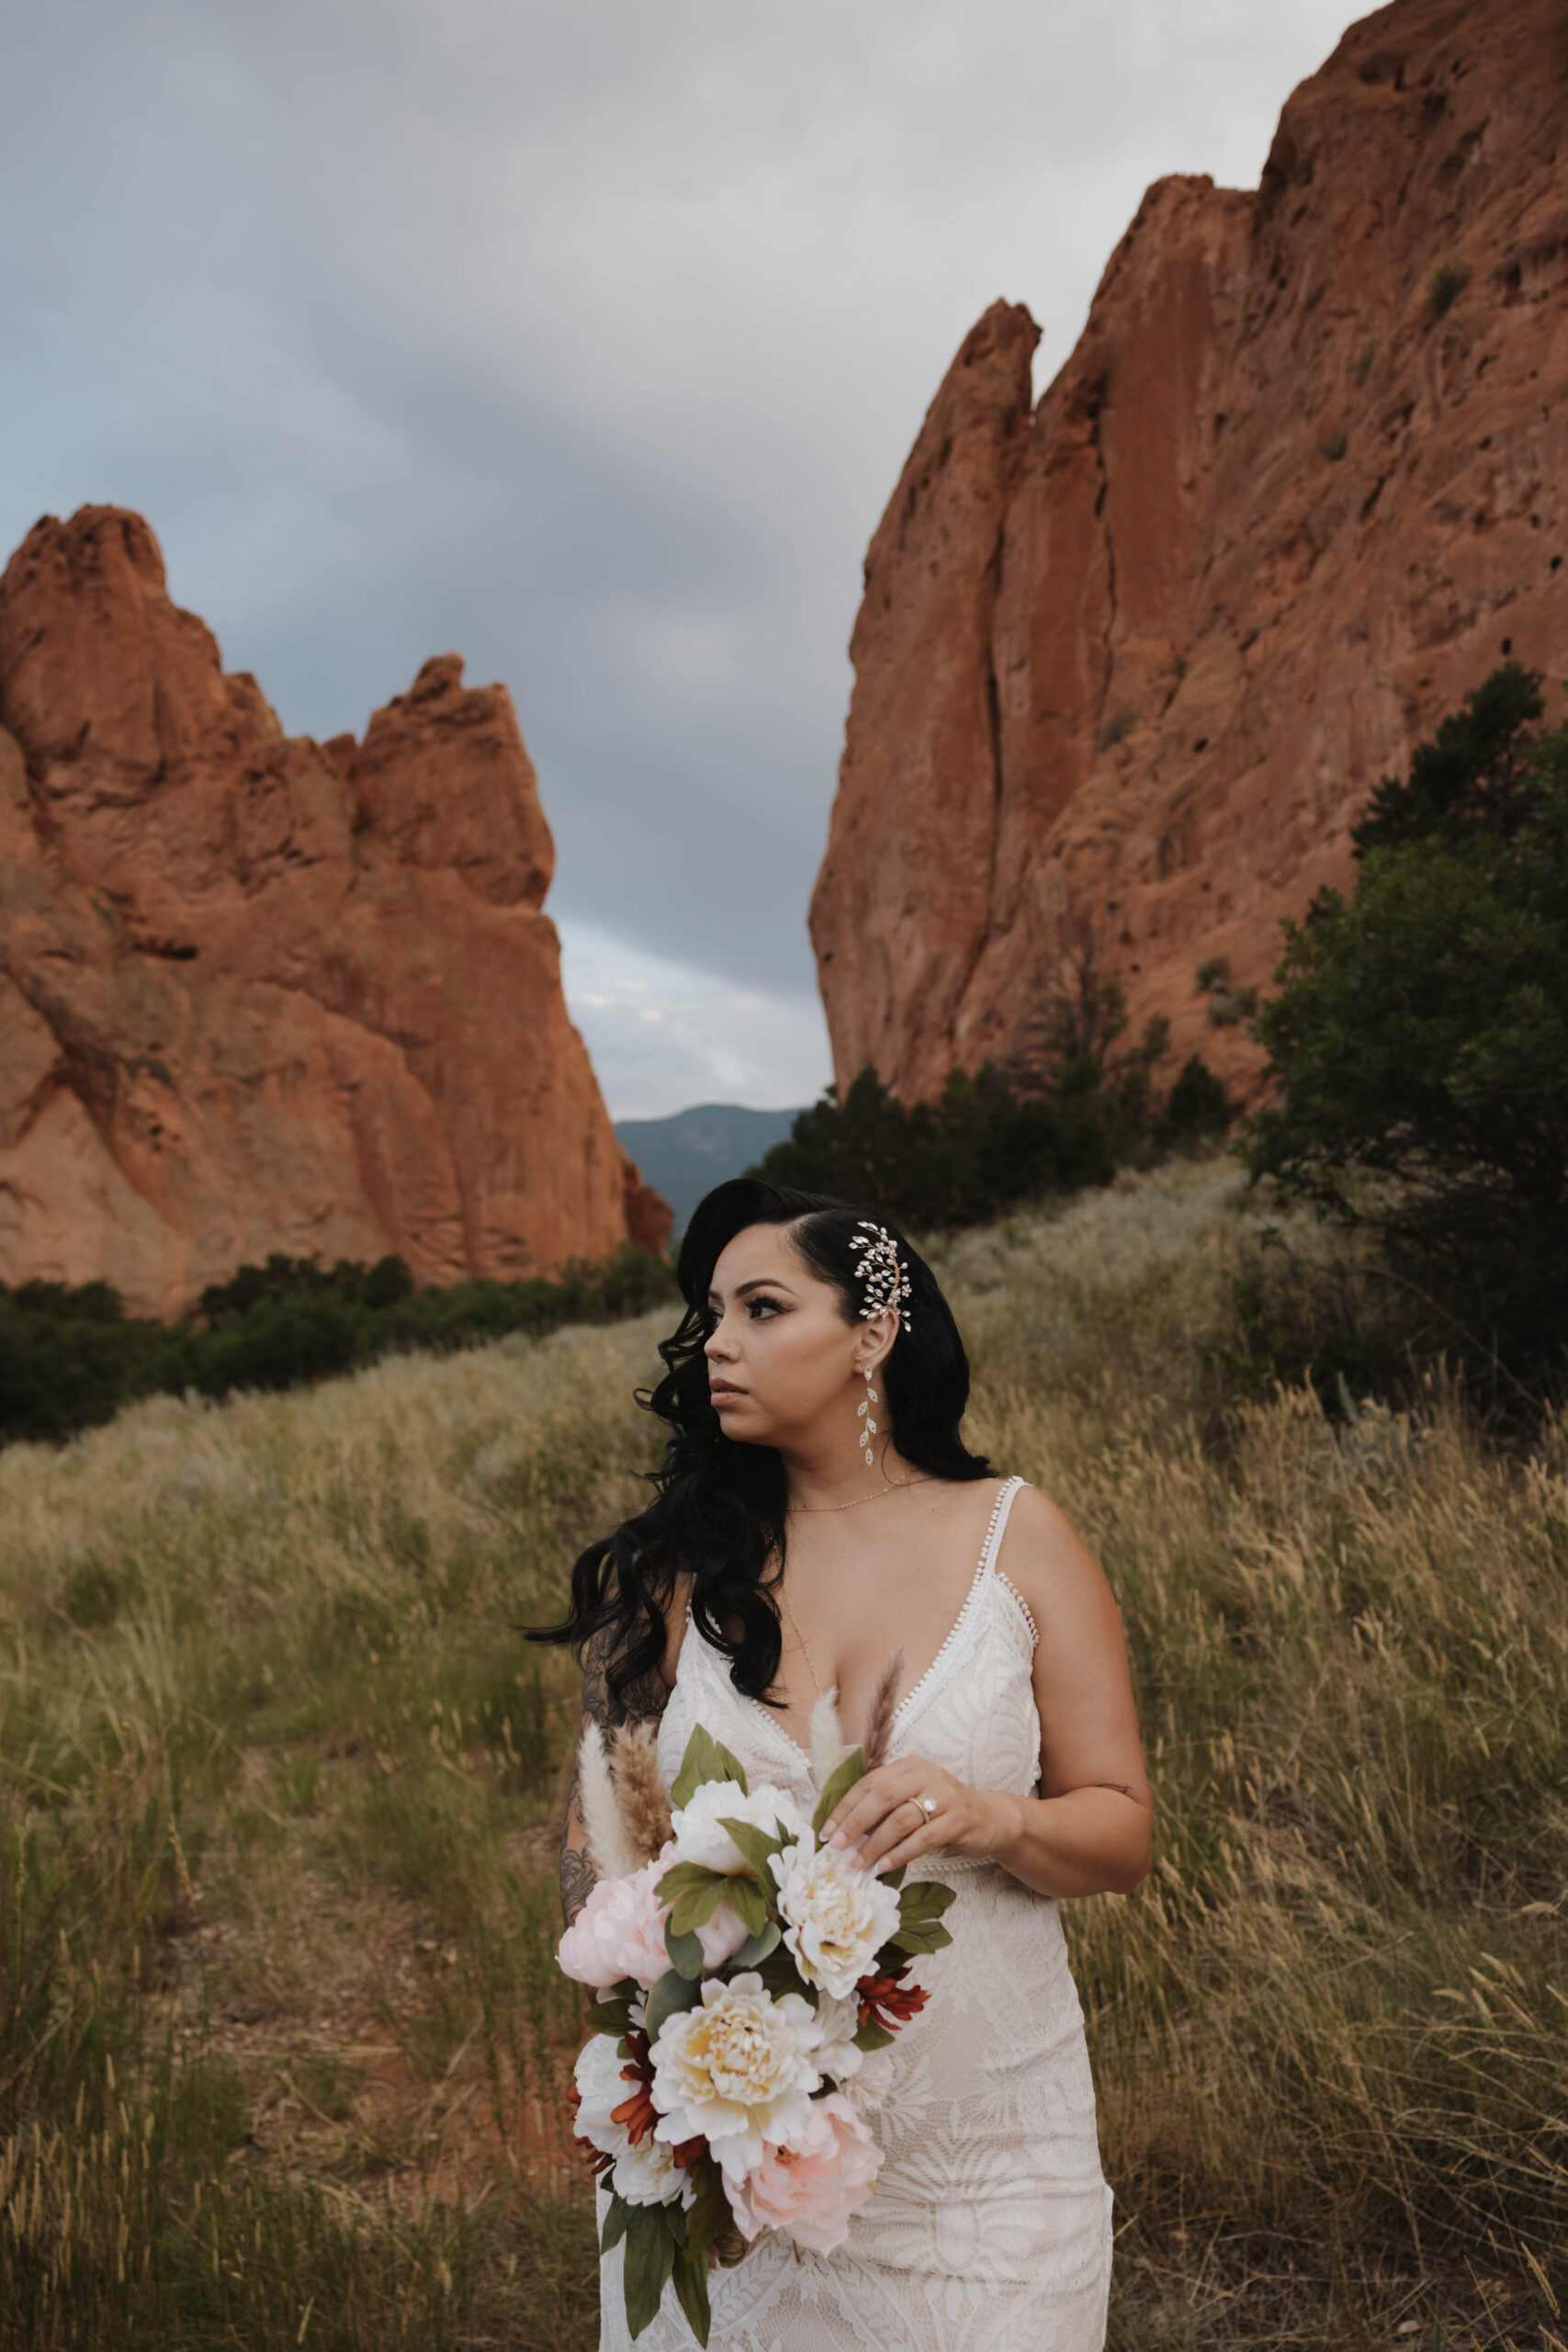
{"type": "Point", "coordinates": [585, 338]}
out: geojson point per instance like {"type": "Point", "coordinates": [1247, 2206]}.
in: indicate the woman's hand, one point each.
{"type": "Point", "coordinates": [883, 1814]}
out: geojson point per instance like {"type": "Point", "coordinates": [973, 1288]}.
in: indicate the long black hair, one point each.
{"type": "Point", "coordinates": [718, 1512]}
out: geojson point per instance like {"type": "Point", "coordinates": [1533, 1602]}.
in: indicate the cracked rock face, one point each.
{"type": "Point", "coordinates": [258, 993]}
{"type": "Point", "coordinates": [1128, 664]}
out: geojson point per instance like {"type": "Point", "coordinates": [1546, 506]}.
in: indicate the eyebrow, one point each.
{"type": "Point", "coordinates": [759, 1281]}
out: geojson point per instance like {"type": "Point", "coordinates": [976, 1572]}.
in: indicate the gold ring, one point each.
{"type": "Point", "coordinates": [926, 1805]}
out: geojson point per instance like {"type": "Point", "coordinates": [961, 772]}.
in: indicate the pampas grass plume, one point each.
{"type": "Point", "coordinates": [609, 1850]}
{"type": "Point", "coordinates": [829, 1745]}
{"type": "Point", "coordinates": [879, 1717]}
{"type": "Point", "coordinates": [643, 1799]}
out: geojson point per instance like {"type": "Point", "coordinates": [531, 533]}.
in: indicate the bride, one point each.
{"type": "Point", "coordinates": [816, 1511]}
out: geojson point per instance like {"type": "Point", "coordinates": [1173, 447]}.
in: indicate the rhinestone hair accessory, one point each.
{"type": "Point", "coordinates": [883, 1276]}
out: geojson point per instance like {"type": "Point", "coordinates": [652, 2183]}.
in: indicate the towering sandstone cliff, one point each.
{"type": "Point", "coordinates": [1127, 666]}
{"type": "Point", "coordinates": [258, 993]}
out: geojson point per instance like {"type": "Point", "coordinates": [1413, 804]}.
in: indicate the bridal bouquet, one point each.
{"type": "Point", "coordinates": [746, 1976]}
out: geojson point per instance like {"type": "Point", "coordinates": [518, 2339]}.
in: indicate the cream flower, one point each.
{"type": "Point", "coordinates": [736, 2071]}
{"type": "Point", "coordinates": [699, 1838]}
{"type": "Point", "coordinates": [834, 2053]}
{"type": "Point", "coordinates": [839, 1916]}
{"type": "Point", "coordinates": [810, 2188]}
{"type": "Point", "coordinates": [646, 2174]}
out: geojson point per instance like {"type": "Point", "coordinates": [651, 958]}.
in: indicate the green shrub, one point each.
{"type": "Point", "coordinates": [1197, 1110]}
{"type": "Point", "coordinates": [1074, 1108]}
{"type": "Point", "coordinates": [1419, 1040]}
{"type": "Point", "coordinates": [70, 1358]}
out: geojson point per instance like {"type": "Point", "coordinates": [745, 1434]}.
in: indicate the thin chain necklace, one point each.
{"type": "Point", "coordinates": [894, 1486]}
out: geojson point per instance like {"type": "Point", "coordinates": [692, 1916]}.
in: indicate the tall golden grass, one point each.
{"type": "Point", "coordinates": [282, 2048]}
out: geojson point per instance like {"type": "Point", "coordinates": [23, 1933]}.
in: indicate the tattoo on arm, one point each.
{"type": "Point", "coordinates": [600, 1705]}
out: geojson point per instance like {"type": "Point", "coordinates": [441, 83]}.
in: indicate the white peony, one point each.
{"type": "Point", "coordinates": [644, 2175]}
{"type": "Point", "coordinates": [648, 2174]}
{"type": "Point", "coordinates": [737, 2071]}
{"type": "Point", "coordinates": [699, 1838]}
{"type": "Point", "coordinates": [835, 2050]}
{"type": "Point", "coordinates": [838, 1916]}
{"type": "Point", "coordinates": [600, 2088]}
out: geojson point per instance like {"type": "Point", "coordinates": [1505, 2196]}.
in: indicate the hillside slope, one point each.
{"type": "Point", "coordinates": [265, 1714]}
{"type": "Point", "coordinates": [687, 1155]}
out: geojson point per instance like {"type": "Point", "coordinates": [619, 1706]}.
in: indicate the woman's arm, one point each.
{"type": "Point", "coordinates": [1089, 1832]}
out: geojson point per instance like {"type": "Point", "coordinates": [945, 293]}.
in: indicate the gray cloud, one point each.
{"type": "Point", "coordinates": [586, 338]}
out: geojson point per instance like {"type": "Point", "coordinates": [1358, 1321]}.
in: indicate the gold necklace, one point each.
{"type": "Point", "coordinates": [794, 1629]}
{"type": "Point", "coordinates": [894, 1486]}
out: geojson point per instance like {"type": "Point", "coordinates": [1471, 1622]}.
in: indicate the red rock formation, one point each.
{"type": "Point", "coordinates": [260, 994]}
{"type": "Point", "coordinates": [1126, 669]}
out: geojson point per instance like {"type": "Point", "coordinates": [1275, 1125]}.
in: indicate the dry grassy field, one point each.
{"type": "Point", "coordinates": [282, 2048]}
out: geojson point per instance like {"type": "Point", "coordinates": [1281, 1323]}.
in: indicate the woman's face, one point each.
{"type": "Point", "coordinates": [780, 1355]}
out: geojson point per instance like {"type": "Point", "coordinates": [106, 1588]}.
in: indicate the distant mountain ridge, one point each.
{"type": "Point", "coordinates": [687, 1155]}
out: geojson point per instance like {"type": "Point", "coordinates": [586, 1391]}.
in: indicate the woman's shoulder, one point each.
{"type": "Point", "coordinates": [1041, 1549]}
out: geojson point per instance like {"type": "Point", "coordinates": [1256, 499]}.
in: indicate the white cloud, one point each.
{"type": "Point", "coordinates": [711, 1041]}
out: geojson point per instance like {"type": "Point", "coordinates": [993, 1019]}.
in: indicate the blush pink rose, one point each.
{"type": "Point", "coordinates": [619, 1932]}
{"type": "Point", "coordinates": [810, 2192]}
{"type": "Point", "coordinates": [721, 1937]}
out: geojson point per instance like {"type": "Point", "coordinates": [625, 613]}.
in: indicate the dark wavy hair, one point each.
{"type": "Point", "coordinates": [718, 1512]}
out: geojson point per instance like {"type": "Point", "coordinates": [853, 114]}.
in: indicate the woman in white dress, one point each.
{"type": "Point", "coordinates": [816, 1511]}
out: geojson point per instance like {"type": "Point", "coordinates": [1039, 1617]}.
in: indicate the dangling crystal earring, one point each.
{"type": "Point", "coordinates": [862, 1413]}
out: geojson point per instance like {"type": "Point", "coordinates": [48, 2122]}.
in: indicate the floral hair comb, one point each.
{"type": "Point", "coordinates": [883, 1276]}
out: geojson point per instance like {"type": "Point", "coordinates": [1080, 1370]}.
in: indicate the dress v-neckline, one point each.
{"type": "Point", "coordinates": [919, 1688]}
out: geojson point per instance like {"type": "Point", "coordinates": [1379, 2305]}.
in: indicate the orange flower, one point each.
{"type": "Point", "coordinates": [888, 2001]}
{"type": "Point", "coordinates": [637, 2113]}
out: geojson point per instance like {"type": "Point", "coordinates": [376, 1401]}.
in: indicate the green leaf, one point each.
{"type": "Point", "coordinates": [617, 2215]}
{"type": "Point", "coordinates": [874, 2037]}
{"type": "Point", "coordinates": [925, 1936]}
{"type": "Point", "coordinates": [610, 2016]}
{"type": "Point", "coordinates": [685, 1953]}
{"type": "Point", "coordinates": [779, 1974]}
{"type": "Point", "coordinates": [839, 1783]}
{"type": "Point", "coordinates": [704, 1760]}
{"type": "Point", "coordinates": [921, 1907]}
{"type": "Point", "coordinates": [755, 1847]}
{"type": "Point", "coordinates": [693, 1894]}
{"type": "Point", "coordinates": [672, 1992]}
{"type": "Point", "coordinates": [682, 1876]}
{"type": "Point", "coordinates": [750, 1954]}
{"type": "Point", "coordinates": [651, 2256]}
{"type": "Point", "coordinates": [749, 1903]}
{"type": "Point", "coordinates": [699, 1903]}
{"type": "Point", "coordinates": [709, 2209]}
{"type": "Point", "coordinates": [926, 1899]}
{"type": "Point", "coordinates": [692, 2287]}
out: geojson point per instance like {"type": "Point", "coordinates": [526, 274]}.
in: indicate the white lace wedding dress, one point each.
{"type": "Point", "coordinates": [989, 2226]}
